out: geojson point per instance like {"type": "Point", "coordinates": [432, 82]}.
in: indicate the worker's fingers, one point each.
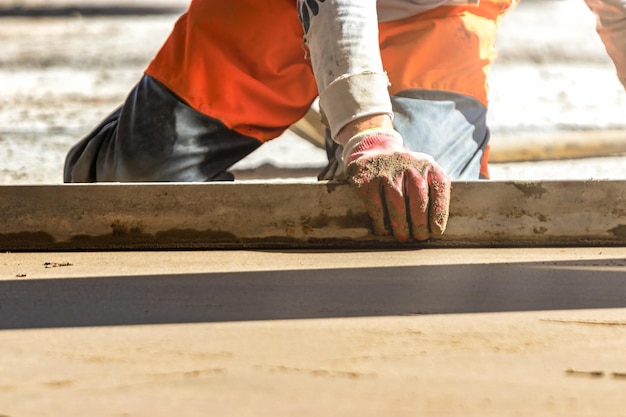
{"type": "Point", "coordinates": [439, 185]}
{"type": "Point", "coordinates": [371, 194]}
{"type": "Point", "coordinates": [407, 189]}
{"type": "Point", "coordinates": [418, 197]}
{"type": "Point", "coordinates": [395, 202]}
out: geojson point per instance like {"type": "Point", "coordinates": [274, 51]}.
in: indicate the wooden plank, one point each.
{"type": "Point", "coordinates": [558, 146]}
{"type": "Point", "coordinates": [298, 215]}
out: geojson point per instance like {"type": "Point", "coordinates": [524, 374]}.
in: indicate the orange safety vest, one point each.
{"type": "Point", "coordinates": [243, 61]}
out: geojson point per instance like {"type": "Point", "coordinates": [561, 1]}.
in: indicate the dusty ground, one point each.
{"type": "Point", "coordinates": [402, 333]}
{"type": "Point", "coordinates": [60, 76]}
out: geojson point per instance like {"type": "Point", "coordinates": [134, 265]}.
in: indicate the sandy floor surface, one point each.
{"type": "Point", "coordinates": [60, 76]}
{"type": "Point", "coordinates": [402, 333]}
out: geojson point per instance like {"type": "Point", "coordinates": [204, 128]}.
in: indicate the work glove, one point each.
{"type": "Point", "coordinates": [404, 191]}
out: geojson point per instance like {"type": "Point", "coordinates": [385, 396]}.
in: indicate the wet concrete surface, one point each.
{"type": "Point", "coordinates": [268, 333]}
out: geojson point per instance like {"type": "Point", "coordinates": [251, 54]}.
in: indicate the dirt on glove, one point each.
{"type": "Point", "coordinates": [389, 167]}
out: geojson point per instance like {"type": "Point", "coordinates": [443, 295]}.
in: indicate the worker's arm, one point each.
{"type": "Point", "coordinates": [611, 27]}
{"type": "Point", "coordinates": [404, 191]}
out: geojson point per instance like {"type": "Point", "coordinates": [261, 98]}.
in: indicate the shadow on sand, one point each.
{"type": "Point", "coordinates": [303, 294]}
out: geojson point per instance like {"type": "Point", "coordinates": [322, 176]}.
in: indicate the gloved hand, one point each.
{"type": "Point", "coordinates": [403, 189]}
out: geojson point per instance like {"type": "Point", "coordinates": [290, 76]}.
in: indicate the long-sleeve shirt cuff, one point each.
{"type": "Point", "coordinates": [353, 96]}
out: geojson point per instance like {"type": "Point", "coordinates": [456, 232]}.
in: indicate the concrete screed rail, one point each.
{"type": "Point", "coordinates": [298, 215]}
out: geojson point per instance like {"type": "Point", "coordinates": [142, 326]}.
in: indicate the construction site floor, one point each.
{"type": "Point", "coordinates": [431, 332]}
{"type": "Point", "coordinates": [446, 332]}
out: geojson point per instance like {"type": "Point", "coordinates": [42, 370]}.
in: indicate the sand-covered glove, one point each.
{"type": "Point", "coordinates": [402, 190]}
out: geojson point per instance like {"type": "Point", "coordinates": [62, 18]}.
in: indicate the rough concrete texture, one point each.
{"type": "Point", "coordinates": [403, 333]}
{"type": "Point", "coordinates": [299, 215]}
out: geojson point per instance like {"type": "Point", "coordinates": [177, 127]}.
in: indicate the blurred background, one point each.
{"type": "Point", "coordinates": [557, 110]}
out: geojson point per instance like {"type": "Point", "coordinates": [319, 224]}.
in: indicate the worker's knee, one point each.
{"type": "Point", "coordinates": [155, 136]}
{"type": "Point", "coordinates": [448, 126]}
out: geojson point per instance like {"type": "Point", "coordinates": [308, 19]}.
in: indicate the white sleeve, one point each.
{"type": "Point", "coordinates": [342, 38]}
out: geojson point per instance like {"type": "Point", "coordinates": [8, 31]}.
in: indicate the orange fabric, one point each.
{"type": "Point", "coordinates": [484, 163]}
{"type": "Point", "coordinates": [241, 62]}
{"type": "Point", "coordinates": [447, 48]}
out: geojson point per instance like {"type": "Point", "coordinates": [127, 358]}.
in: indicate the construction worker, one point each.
{"type": "Point", "coordinates": [401, 83]}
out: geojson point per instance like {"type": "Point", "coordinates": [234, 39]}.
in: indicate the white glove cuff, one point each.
{"type": "Point", "coordinates": [355, 140]}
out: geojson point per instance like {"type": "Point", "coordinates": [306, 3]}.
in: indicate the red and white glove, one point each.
{"type": "Point", "coordinates": [405, 190]}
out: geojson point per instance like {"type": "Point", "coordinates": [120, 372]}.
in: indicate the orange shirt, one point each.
{"type": "Point", "coordinates": [243, 62]}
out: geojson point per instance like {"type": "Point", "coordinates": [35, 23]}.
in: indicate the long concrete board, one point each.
{"type": "Point", "coordinates": [298, 215]}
